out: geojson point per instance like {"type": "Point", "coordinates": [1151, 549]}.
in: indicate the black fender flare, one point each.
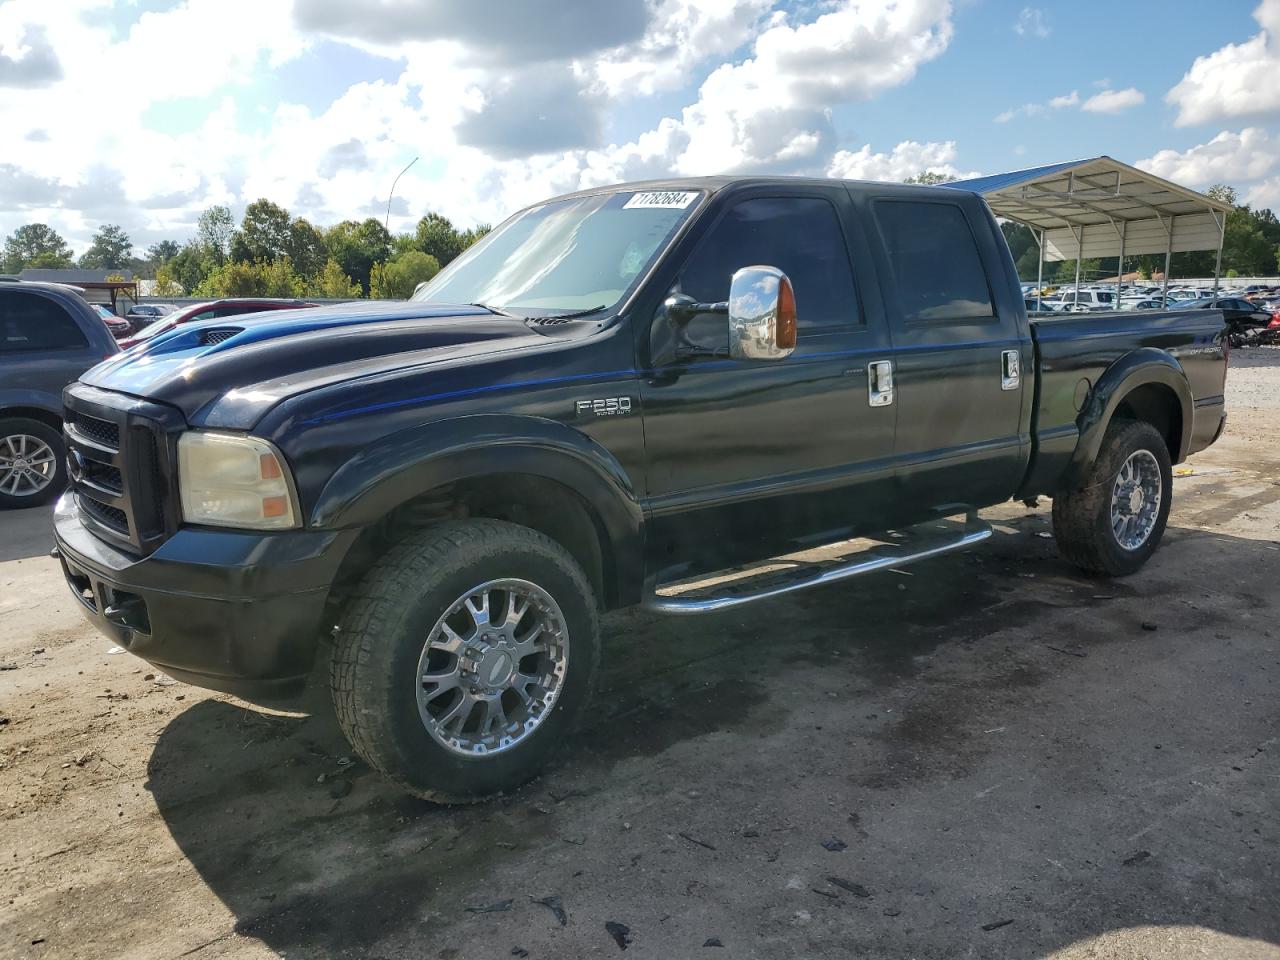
{"type": "Point", "coordinates": [411, 462]}
{"type": "Point", "coordinates": [1146, 365]}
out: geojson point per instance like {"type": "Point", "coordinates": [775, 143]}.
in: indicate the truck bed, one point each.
{"type": "Point", "coordinates": [1075, 351]}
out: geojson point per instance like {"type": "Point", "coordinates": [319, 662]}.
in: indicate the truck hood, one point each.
{"type": "Point", "coordinates": [228, 372]}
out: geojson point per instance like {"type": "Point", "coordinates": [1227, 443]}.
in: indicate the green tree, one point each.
{"type": "Point", "coordinates": [264, 233]}
{"type": "Point", "coordinates": [398, 278]}
{"type": "Point", "coordinates": [930, 178]}
{"type": "Point", "coordinates": [357, 247]}
{"type": "Point", "coordinates": [437, 236]}
{"type": "Point", "coordinates": [190, 266]}
{"type": "Point", "coordinates": [234, 278]}
{"type": "Point", "coordinates": [162, 252]}
{"type": "Point", "coordinates": [331, 282]}
{"type": "Point", "coordinates": [110, 249]}
{"type": "Point", "coordinates": [306, 248]}
{"type": "Point", "coordinates": [32, 242]}
{"type": "Point", "coordinates": [214, 229]}
{"type": "Point", "coordinates": [165, 285]}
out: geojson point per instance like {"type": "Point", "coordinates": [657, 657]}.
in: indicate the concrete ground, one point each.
{"type": "Point", "coordinates": [988, 755]}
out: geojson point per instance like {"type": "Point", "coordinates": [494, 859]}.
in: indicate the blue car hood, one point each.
{"type": "Point", "coordinates": [229, 372]}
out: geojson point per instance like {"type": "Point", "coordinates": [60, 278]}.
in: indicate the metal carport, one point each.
{"type": "Point", "coordinates": [1101, 207]}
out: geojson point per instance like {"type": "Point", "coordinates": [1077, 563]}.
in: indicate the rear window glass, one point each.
{"type": "Point", "coordinates": [29, 322]}
{"type": "Point", "coordinates": [937, 273]}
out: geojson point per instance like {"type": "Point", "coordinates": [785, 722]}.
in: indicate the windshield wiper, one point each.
{"type": "Point", "coordinates": [494, 310]}
{"type": "Point", "coordinates": [571, 316]}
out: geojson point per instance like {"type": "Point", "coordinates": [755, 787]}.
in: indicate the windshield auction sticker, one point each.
{"type": "Point", "coordinates": [669, 199]}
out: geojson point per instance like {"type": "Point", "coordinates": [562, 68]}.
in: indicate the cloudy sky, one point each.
{"type": "Point", "coordinates": [143, 112]}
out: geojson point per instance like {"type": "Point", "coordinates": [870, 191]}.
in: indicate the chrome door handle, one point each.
{"type": "Point", "coordinates": [1010, 370]}
{"type": "Point", "coordinates": [880, 383]}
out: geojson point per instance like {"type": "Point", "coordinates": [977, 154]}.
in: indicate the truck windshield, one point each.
{"type": "Point", "coordinates": [580, 254]}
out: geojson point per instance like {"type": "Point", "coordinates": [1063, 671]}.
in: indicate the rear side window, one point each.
{"type": "Point", "coordinates": [801, 236]}
{"type": "Point", "coordinates": [30, 322]}
{"type": "Point", "coordinates": [937, 273]}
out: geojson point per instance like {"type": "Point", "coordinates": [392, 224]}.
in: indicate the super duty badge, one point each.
{"type": "Point", "coordinates": [604, 407]}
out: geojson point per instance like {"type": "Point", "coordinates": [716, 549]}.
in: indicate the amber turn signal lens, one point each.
{"type": "Point", "coordinates": [785, 330]}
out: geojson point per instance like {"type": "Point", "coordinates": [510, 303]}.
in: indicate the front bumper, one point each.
{"type": "Point", "coordinates": [228, 610]}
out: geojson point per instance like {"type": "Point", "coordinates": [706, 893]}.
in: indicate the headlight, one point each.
{"type": "Point", "coordinates": [234, 480]}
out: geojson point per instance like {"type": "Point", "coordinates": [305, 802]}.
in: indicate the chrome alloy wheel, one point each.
{"type": "Point", "coordinates": [27, 465]}
{"type": "Point", "coordinates": [1135, 499]}
{"type": "Point", "coordinates": [492, 667]}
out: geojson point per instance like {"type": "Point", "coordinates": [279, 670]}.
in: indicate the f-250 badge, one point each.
{"type": "Point", "coordinates": [605, 407]}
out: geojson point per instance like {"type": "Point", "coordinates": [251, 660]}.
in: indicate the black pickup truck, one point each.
{"type": "Point", "coordinates": [613, 393]}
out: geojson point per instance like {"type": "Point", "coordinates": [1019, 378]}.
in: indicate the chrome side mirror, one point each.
{"type": "Point", "coordinates": [762, 314]}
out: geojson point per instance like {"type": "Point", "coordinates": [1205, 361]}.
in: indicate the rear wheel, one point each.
{"type": "Point", "coordinates": [1114, 523]}
{"type": "Point", "coordinates": [465, 658]}
{"type": "Point", "coordinates": [33, 463]}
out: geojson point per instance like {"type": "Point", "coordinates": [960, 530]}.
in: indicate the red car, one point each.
{"type": "Point", "coordinates": [230, 307]}
{"type": "Point", "coordinates": [118, 325]}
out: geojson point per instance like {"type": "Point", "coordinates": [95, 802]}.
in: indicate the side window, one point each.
{"type": "Point", "coordinates": [30, 322]}
{"type": "Point", "coordinates": [801, 236]}
{"type": "Point", "coordinates": [937, 272]}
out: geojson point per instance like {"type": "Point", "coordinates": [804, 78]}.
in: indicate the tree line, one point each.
{"type": "Point", "coordinates": [270, 254]}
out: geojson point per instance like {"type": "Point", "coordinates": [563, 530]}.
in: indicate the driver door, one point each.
{"type": "Point", "coordinates": [750, 458]}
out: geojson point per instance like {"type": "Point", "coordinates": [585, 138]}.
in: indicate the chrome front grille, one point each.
{"type": "Point", "coordinates": [118, 462]}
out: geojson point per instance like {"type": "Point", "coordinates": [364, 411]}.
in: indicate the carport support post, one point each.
{"type": "Point", "coordinates": [1079, 257]}
{"type": "Point", "coordinates": [1168, 260]}
{"type": "Point", "coordinates": [1222, 236]}
{"type": "Point", "coordinates": [1120, 265]}
{"type": "Point", "coordinates": [1040, 273]}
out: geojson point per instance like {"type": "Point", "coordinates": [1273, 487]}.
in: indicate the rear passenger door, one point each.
{"type": "Point", "coordinates": [962, 361]}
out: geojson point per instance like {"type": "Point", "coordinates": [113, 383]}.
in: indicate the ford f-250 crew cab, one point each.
{"type": "Point", "coordinates": [612, 392]}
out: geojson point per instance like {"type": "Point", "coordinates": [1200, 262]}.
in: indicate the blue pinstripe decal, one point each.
{"type": "Point", "coordinates": [618, 374]}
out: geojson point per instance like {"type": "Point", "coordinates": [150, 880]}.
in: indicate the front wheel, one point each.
{"type": "Point", "coordinates": [1114, 523]}
{"type": "Point", "coordinates": [464, 659]}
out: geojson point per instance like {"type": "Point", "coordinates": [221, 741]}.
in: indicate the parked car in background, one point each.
{"type": "Point", "coordinates": [1141, 303]}
{"type": "Point", "coordinates": [118, 325]}
{"type": "Point", "coordinates": [212, 310]}
{"type": "Point", "coordinates": [145, 314]}
{"type": "Point", "coordinates": [48, 336]}
{"type": "Point", "coordinates": [1080, 301]}
{"type": "Point", "coordinates": [1245, 320]}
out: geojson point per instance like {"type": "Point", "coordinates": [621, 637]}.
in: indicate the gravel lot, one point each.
{"type": "Point", "coordinates": [993, 756]}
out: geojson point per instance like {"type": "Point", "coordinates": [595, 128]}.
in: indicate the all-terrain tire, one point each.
{"type": "Point", "coordinates": [374, 673]}
{"type": "Point", "coordinates": [1082, 519]}
{"type": "Point", "coordinates": [16, 428]}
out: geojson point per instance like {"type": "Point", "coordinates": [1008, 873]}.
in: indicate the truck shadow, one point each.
{"type": "Point", "coordinates": [315, 855]}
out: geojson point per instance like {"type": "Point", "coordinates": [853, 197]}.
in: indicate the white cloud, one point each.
{"type": "Point", "coordinates": [1035, 109]}
{"type": "Point", "coordinates": [1235, 81]}
{"type": "Point", "coordinates": [1114, 101]}
{"type": "Point", "coordinates": [681, 35]}
{"type": "Point", "coordinates": [907, 159]}
{"type": "Point", "coordinates": [1265, 194]}
{"type": "Point", "coordinates": [765, 109]}
{"type": "Point", "coordinates": [1228, 158]}
{"type": "Point", "coordinates": [772, 108]}
{"type": "Point", "coordinates": [1031, 23]}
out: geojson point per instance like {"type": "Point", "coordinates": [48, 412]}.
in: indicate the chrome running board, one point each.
{"type": "Point", "coordinates": [776, 583]}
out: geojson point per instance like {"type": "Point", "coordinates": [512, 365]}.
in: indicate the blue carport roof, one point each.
{"type": "Point", "coordinates": [999, 181]}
